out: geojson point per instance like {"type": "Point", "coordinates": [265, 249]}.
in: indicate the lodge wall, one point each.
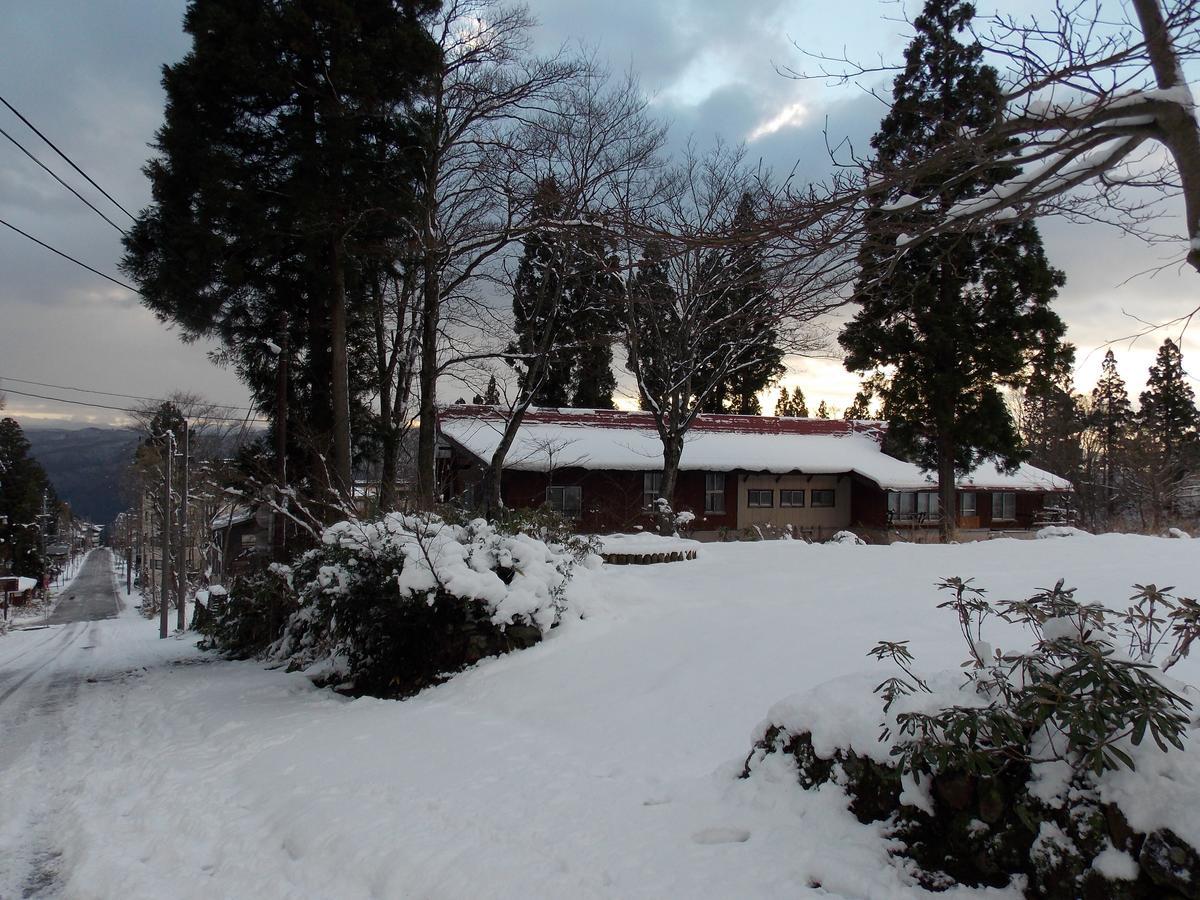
{"type": "Point", "coordinates": [806, 517]}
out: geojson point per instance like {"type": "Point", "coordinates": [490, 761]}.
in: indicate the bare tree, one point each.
{"type": "Point", "coordinates": [395, 320]}
{"type": "Point", "coordinates": [689, 322]}
{"type": "Point", "coordinates": [596, 138]}
{"type": "Point", "coordinates": [1095, 98]}
{"type": "Point", "coordinates": [472, 196]}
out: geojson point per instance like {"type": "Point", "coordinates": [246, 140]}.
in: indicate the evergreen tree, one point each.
{"type": "Point", "coordinates": [593, 292]}
{"type": "Point", "coordinates": [539, 301]}
{"type": "Point", "coordinates": [737, 276]}
{"type": "Point", "coordinates": [1110, 419]}
{"type": "Point", "coordinates": [793, 404]}
{"type": "Point", "coordinates": [1168, 416]}
{"type": "Point", "coordinates": [491, 395]}
{"type": "Point", "coordinates": [25, 494]}
{"type": "Point", "coordinates": [860, 408]}
{"type": "Point", "coordinates": [823, 411]}
{"type": "Point", "coordinates": [960, 314]}
{"type": "Point", "coordinates": [285, 168]}
{"type": "Point", "coordinates": [564, 304]}
{"type": "Point", "coordinates": [657, 323]}
{"type": "Point", "coordinates": [1052, 419]}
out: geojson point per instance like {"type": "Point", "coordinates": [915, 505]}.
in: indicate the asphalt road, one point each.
{"type": "Point", "coordinates": [91, 595]}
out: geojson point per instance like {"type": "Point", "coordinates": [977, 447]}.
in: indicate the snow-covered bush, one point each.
{"type": "Point", "coordinates": [245, 619]}
{"type": "Point", "coordinates": [846, 537]}
{"type": "Point", "coordinates": [1032, 765]}
{"type": "Point", "coordinates": [400, 603]}
{"type": "Point", "coordinates": [1059, 531]}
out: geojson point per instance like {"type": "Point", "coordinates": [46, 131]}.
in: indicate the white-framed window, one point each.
{"type": "Point", "coordinates": [823, 498]}
{"type": "Point", "coordinates": [714, 492]}
{"type": "Point", "coordinates": [759, 498]}
{"type": "Point", "coordinates": [968, 504]}
{"type": "Point", "coordinates": [651, 488]}
{"type": "Point", "coordinates": [566, 500]}
{"type": "Point", "coordinates": [1004, 506]}
{"type": "Point", "coordinates": [792, 498]}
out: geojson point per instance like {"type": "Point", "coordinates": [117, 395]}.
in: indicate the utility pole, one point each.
{"type": "Point", "coordinates": [164, 594]}
{"type": "Point", "coordinates": [181, 622]}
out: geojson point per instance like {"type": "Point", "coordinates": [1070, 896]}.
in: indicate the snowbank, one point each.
{"type": "Point", "coordinates": [646, 542]}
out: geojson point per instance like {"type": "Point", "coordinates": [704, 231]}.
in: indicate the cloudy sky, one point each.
{"type": "Point", "coordinates": [87, 74]}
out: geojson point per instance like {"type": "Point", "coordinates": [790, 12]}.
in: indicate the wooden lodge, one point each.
{"type": "Point", "coordinates": [738, 474]}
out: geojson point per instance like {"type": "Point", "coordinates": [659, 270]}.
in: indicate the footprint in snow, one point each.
{"type": "Point", "coordinates": [721, 836]}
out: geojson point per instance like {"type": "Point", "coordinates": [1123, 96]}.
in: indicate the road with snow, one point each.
{"type": "Point", "coordinates": [40, 682]}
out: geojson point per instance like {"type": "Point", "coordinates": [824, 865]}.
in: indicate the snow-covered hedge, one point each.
{"type": "Point", "coordinates": [397, 604]}
{"type": "Point", "coordinates": [1065, 767]}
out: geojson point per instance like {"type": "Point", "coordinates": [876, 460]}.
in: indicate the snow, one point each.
{"type": "Point", "coordinates": [232, 515]}
{"type": "Point", "coordinates": [25, 584]}
{"type": "Point", "coordinates": [1059, 531]}
{"type": "Point", "coordinates": [1115, 865]}
{"type": "Point", "coordinates": [600, 763]}
{"type": "Point", "coordinates": [543, 446]}
{"type": "Point", "coordinates": [646, 542]}
{"type": "Point", "coordinates": [462, 560]}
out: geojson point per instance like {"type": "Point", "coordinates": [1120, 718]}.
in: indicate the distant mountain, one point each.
{"type": "Point", "coordinates": [85, 465]}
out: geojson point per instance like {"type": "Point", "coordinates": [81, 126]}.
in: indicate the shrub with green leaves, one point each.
{"type": "Point", "coordinates": [1075, 696]}
{"type": "Point", "coordinates": [1063, 767]}
{"type": "Point", "coordinates": [402, 602]}
{"type": "Point", "coordinates": [244, 619]}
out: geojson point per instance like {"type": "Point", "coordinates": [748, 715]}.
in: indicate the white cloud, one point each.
{"type": "Point", "coordinates": [791, 116]}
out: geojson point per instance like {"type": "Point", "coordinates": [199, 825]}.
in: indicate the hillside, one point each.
{"type": "Point", "coordinates": [84, 465]}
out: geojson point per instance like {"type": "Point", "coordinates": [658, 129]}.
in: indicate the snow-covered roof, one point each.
{"type": "Point", "coordinates": [620, 440]}
{"type": "Point", "coordinates": [229, 516]}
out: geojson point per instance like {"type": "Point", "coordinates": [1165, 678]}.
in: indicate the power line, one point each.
{"type": "Point", "coordinates": [70, 161]}
{"type": "Point", "coordinates": [67, 256]}
{"type": "Point", "coordinates": [130, 412]}
{"type": "Point", "coordinates": [68, 387]}
{"type": "Point", "coordinates": [54, 175]}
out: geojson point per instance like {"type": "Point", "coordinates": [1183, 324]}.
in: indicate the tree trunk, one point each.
{"type": "Point", "coordinates": [278, 540]}
{"type": "Point", "coordinates": [946, 488]}
{"type": "Point", "coordinates": [427, 435]}
{"type": "Point", "coordinates": [672, 453]}
{"type": "Point", "coordinates": [1179, 126]}
{"type": "Point", "coordinates": [341, 377]}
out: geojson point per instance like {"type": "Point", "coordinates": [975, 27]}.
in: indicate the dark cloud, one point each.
{"type": "Point", "coordinates": [88, 74]}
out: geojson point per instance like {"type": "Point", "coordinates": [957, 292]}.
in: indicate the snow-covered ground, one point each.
{"type": "Point", "coordinates": [601, 763]}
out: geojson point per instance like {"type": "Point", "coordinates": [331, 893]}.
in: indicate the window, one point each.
{"type": "Point", "coordinates": [968, 504]}
{"type": "Point", "coordinates": [902, 504]}
{"type": "Point", "coordinates": [791, 498]}
{"type": "Point", "coordinates": [1004, 506]}
{"type": "Point", "coordinates": [920, 505]}
{"type": "Point", "coordinates": [651, 488]}
{"type": "Point", "coordinates": [929, 505]}
{"type": "Point", "coordinates": [714, 492]}
{"type": "Point", "coordinates": [566, 501]}
{"type": "Point", "coordinates": [823, 498]}
{"type": "Point", "coordinates": [759, 499]}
